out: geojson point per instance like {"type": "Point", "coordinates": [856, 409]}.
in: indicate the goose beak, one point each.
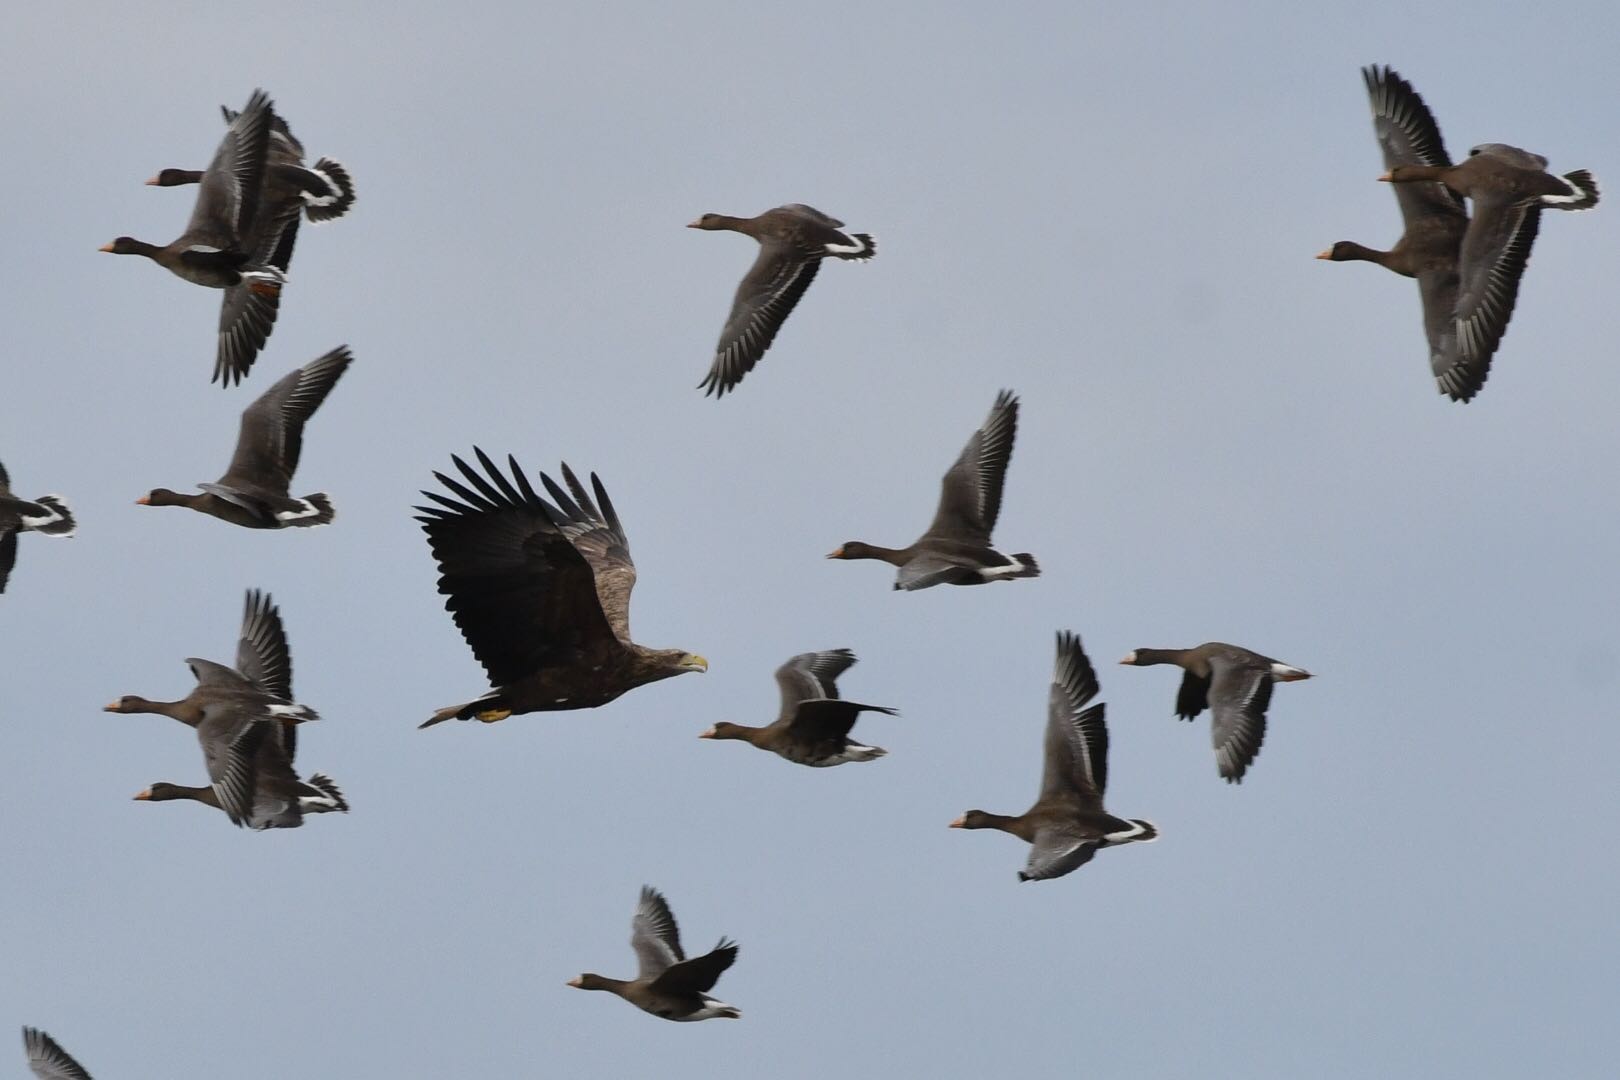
{"type": "Point", "coordinates": [1387, 177]}
{"type": "Point", "coordinates": [105, 247]}
{"type": "Point", "coordinates": [110, 708]}
{"type": "Point", "coordinates": [145, 796]}
{"type": "Point", "coordinates": [1328, 254]}
{"type": "Point", "coordinates": [838, 554]}
{"type": "Point", "coordinates": [1130, 658]}
{"type": "Point", "coordinates": [957, 824]}
{"type": "Point", "coordinates": [707, 734]}
{"type": "Point", "coordinates": [156, 181]}
{"type": "Point", "coordinates": [143, 501]}
{"type": "Point", "coordinates": [576, 983]}
{"type": "Point", "coordinates": [698, 224]}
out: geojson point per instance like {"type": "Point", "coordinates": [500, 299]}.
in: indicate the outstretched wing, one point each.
{"type": "Point", "coordinates": [654, 935]}
{"type": "Point", "coordinates": [272, 433]}
{"type": "Point", "coordinates": [970, 494]}
{"type": "Point", "coordinates": [764, 300]}
{"type": "Point", "coordinates": [48, 1060]}
{"type": "Point", "coordinates": [261, 649]}
{"type": "Point", "coordinates": [228, 194]}
{"type": "Point", "coordinates": [1495, 251]}
{"type": "Point", "coordinates": [596, 532]}
{"type": "Point", "coordinates": [698, 975]}
{"type": "Point", "coordinates": [1076, 736]}
{"type": "Point", "coordinates": [1239, 695]}
{"type": "Point", "coordinates": [1408, 135]}
{"type": "Point", "coordinates": [522, 594]}
{"type": "Point", "coordinates": [1055, 853]}
{"type": "Point", "coordinates": [811, 675]}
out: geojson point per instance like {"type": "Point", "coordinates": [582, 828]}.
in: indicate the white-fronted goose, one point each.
{"type": "Point", "coordinates": [223, 238]}
{"type": "Point", "coordinates": [1467, 272]}
{"type": "Point", "coordinates": [321, 192]}
{"type": "Point", "coordinates": [48, 1060]}
{"type": "Point", "coordinates": [541, 592]}
{"type": "Point", "coordinates": [48, 515]}
{"type": "Point", "coordinates": [814, 724]}
{"type": "Point", "coordinates": [240, 714]}
{"type": "Point", "coordinates": [253, 492]}
{"type": "Point", "coordinates": [1236, 684]}
{"type": "Point", "coordinates": [667, 984]}
{"type": "Point", "coordinates": [1509, 188]}
{"type": "Point", "coordinates": [1068, 825]}
{"type": "Point", "coordinates": [956, 548]}
{"type": "Point", "coordinates": [793, 239]}
{"type": "Point", "coordinates": [1435, 223]}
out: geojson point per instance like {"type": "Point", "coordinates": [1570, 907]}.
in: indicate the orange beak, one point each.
{"type": "Point", "coordinates": [957, 824]}
{"type": "Point", "coordinates": [144, 796]}
{"type": "Point", "coordinates": [707, 734]}
{"type": "Point", "coordinates": [698, 224]}
{"type": "Point", "coordinates": [839, 554]}
{"type": "Point", "coordinates": [1328, 254]}
{"type": "Point", "coordinates": [105, 247]}
{"type": "Point", "coordinates": [143, 501]}
{"type": "Point", "coordinates": [576, 982]}
{"type": "Point", "coordinates": [154, 182]}
{"type": "Point", "coordinates": [1387, 177]}
{"type": "Point", "coordinates": [110, 708]}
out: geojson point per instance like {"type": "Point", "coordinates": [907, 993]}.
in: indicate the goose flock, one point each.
{"type": "Point", "coordinates": [536, 569]}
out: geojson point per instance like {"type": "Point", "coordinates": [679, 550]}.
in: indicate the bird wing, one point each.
{"type": "Point", "coordinates": [1239, 694]}
{"type": "Point", "coordinates": [811, 675]}
{"type": "Point", "coordinates": [1056, 852]}
{"type": "Point", "coordinates": [970, 493]}
{"type": "Point", "coordinates": [271, 437]}
{"type": "Point", "coordinates": [594, 528]}
{"type": "Point", "coordinates": [768, 292]}
{"type": "Point", "coordinates": [698, 975]}
{"type": "Point", "coordinates": [1076, 737]}
{"type": "Point", "coordinates": [261, 648]}
{"type": "Point", "coordinates": [247, 315]}
{"type": "Point", "coordinates": [825, 719]}
{"type": "Point", "coordinates": [8, 555]}
{"type": "Point", "coordinates": [233, 768]}
{"type": "Point", "coordinates": [1193, 697]}
{"type": "Point", "coordinates": [228, 194]}
{"type": "Point", "coordinates": [48, 1060]}
{"type": "Point", "coordinates": [1408, 135]}
{"type": "Point", "coordinates": [1495, 251]}
{"type": "Point", "coordinates": [523, 595]}
{"type": "Point", "coordinates": [654, 935]}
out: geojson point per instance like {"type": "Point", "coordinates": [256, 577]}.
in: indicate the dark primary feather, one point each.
{"type": "Point", "coordinates": [271, 437]}
{"type": "Point", "coordinates": [1076, 737]}
{"type": "Point", "coordinates": [765, 298]}
{"type": "Point", "coordinates": [8, 555]}
{"type": "Point", "coordinates": [48, 1060]}
{"type": "Point", "coordinates": [1495, 252]}
{"type": "Point", "coordinates": [1239, 697]}
{"type": "Point", "coordinates": [970, 493]}
{"type": "Point", "coordinates": [228, 195]}
{"type": "Point", "coordinates": [1193, 696]}
{"type": "Point", "coordinates": [811, 675]}
{"type": "Point", "coordinates": [654, 935]}
{"type": "Point", "coordinates": [699, 974]}
{"type": "Point", "coordinates": [1409, 135]}
{"type": "Point", "coordinates": [596, 532]}
{"type": "Point", "coordinates": [522, 594]}
{"type": "Point", "coordinates": [262, 655]}
{"type": "Point", "coordinates": [246, 315]}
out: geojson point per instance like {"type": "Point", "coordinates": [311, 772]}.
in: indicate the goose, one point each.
{"type": "Point", "coordinates": [793, 239]}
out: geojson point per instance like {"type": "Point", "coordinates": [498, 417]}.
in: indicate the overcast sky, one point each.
{"type": "Point", "coordinates": [1109, 208]}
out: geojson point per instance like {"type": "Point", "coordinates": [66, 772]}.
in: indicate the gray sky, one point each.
{"type": "Point", "coordinates": [1109, 208]}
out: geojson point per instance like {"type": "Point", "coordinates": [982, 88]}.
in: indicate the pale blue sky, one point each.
{"type": "Point", "coordinates": [1111, 209]}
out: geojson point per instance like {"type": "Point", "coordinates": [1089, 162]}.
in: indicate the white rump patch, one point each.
{"type": "Point", "coordinates": [991, 573]}
{"type": "Point", "coordinates": [847, 249]}
{"type": "Point", "coordinates": [307, 509]}
{"type": "Point", "coordinates": [1285, 673]}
